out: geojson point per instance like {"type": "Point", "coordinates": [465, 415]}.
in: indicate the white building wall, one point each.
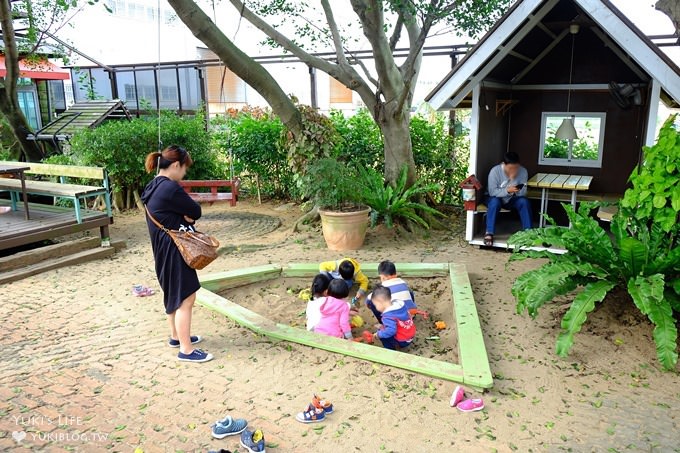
{"type": "Point", "coordinates": [129, 34]}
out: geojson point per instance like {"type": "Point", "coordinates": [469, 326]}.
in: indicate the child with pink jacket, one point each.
{"type": "Point", "coordinates": [334, 320]}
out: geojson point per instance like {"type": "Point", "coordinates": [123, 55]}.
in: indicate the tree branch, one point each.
{"type": "Point", "coordinates": [344, 73]}
{"type": "Point", "coordinates": [372, 21]}
{"type": "Point", "coordinates": [10, 50]}
{"type": "Point", "coordinates": [236, 60]}
{"type": "Point", "coordinates": [337, 40]}
{"type": "Point", "coordinates": [670, 8]}
{"type": "Point", "coordinates": [357, 61]}
{"type": "Point", "coordinates": [396, 33]}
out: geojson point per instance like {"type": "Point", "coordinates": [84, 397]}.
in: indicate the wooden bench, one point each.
{"type": "Point", "coordinates": [212, 196]}
{"type": "Point", "coordinates": [61, 189]}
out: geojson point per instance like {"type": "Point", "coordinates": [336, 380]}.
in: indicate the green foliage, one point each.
{"type": "Point", "coordinates": [317, 140]}
{"type": "Point", "coordinates": [360, 140]}
{"type": "Point", "coordinates": [393, 204]}
{"type": "Point", "coordinates": [656, 186]}
{"type": "Point", "coordinates": [585, 147]}
{"type": "Point", "coordinates": [121, 147]}
{"type": "Point", "coordinates": [330, 184]}
{"type": "Point", "coordinates": [8, 144]}
{"type": "Point", "coordinates": [440, 159]}
{"type": "Point", "coordinates": [255, 139]}
{"type": "Point", "coordinates": [577, 314]}
{"type": "Point", "coordinates": [642, 255]}
{"type": "Point", "coordinates": [253, 136]}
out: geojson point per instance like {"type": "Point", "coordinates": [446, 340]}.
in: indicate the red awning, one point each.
{"type": "Point", "coordinates": [43, 70]}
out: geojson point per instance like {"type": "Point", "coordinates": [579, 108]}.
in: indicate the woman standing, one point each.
{"type": "Point", "coordinates": [170, 205]}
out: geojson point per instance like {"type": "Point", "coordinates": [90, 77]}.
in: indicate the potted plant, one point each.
{"type": "Point", "coordinates": [331, 185]}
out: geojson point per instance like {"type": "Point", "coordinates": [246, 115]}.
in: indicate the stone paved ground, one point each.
{"type": "Point", "coordinates": [85, 368]}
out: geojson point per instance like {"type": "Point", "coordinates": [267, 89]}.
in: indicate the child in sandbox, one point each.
{"type": "Point", "coordinates": [398, 287]}
{"type": "Point", "coordinates": [319, 292]}
{"type": "Point", "coordinates": [334, 311]}
{"type": "Point", "coordinates": [398, 329]}
{"type": "Point", "coordinates": [349, 270]}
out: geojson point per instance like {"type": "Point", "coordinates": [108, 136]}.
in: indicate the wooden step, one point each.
{"type": "Point", "coordinates": [37, 255]}
{"type": "Point", "coordinates": [55, 263]}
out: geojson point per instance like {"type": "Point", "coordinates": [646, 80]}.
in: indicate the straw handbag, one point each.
{"type": "Point", "coordinates": [197, 249]}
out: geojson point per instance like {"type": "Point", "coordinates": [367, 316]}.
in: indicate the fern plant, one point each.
{"type": "Point", "coordinates": [642, 254]}
{"type": "Point", "coordinates": [394, 204]}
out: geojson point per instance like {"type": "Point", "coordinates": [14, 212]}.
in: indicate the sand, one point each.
{"type": "Point", "coordinates": [278, 300]}
{"type": "Point", "coordinates": [75, 342]}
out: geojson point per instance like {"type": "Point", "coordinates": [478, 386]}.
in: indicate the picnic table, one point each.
{"type": "Point", "coordinates": [17, 171]}
{"type": "Point", "coordinates": [555, 181]}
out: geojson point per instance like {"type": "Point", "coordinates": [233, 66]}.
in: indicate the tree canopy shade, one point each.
{"type": "Point", "coordinates": [386, 89]}
{"type": "Point", "coordinates": [25, 25]}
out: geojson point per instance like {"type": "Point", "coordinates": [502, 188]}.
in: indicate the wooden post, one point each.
{"type": "Point", "coordinates": [312, 83]}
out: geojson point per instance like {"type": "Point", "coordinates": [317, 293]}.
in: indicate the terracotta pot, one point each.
{"type": "Point", "coordinates": [344, 230]}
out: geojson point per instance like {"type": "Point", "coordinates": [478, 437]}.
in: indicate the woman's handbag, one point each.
{"type": "Point", "coordinates": [197, 249]}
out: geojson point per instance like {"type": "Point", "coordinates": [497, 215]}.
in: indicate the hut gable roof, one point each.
{"type": "Point", "coordinates": [526, 19]}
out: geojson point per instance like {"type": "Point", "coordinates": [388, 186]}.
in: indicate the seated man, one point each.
{"type": "Point", "coordinates": [507, 189]}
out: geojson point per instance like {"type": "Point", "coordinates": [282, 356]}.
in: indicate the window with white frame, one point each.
{"type": "Point", "coordinates": [584, 151]}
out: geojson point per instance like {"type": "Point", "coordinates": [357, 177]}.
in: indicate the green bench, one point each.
{"type": "Point", "coordinates": [61, 189]}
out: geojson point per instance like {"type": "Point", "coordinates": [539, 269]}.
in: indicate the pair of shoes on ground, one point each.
{"type": "Point", "coordinates": [470, 405]}
{"type": "Point", "coordinates": [252, 441]}
{"type": "Point", "coordinates": [142, 291]}
{"type": "Point", "coordinates": [196, 356]}
{"type": "Point", "coordinates": [316, 412]}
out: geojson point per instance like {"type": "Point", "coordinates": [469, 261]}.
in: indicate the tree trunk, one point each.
{"type": "Point", "coordinates": [138, 199]}
{"type": "Point", "coordinates": [20, 130]}
{"type": "Point", "coordinates": [671, 8]}
{"type": "Point", "coordinates": [238, 62]}
{"type": "Point", "coordinates": [398, 150]}
{"type": "Point", "coordinates": [9, 98]}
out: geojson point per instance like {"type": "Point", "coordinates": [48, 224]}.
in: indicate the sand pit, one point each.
{"type": "Point", "coordinates": [278, 300]}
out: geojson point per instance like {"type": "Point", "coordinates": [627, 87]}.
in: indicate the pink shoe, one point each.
{"type": "Point", "coordinates": [457, 396]}
{"type": "Point", "coordinates": [471, 405]}
{"type": "Point", "coordinates": [142, 291]}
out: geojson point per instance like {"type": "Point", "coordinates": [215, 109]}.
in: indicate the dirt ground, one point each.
{"type": "Point", "coordinates": [278, 300]}
{"type": "Point", "coordinates": [85, 366]}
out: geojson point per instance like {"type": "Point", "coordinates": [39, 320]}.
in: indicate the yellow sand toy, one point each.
{"type": "Point", "coordinates": [305, 294]}
{"type": "Point", "coordinates": [356, 321]}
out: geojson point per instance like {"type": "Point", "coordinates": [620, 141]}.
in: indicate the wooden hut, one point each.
{"type": "Point", "coordinates": [547, 61]}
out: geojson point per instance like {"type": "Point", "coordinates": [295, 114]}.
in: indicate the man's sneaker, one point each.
{"type": "Point", "coordinates": [228, 427]}
{"type": "Point", "coordinates": [197, 356]}
{"type": "Point", "coordinates": [326, 405]}
{"type": "Point", "coordinates": [175, 343]}
{"type": "Point", "coordinates": [470, 405]}
{"type": "Point", "coordinates": [311, 415]}
{"type": "Point", "coordinates": [457, 396]}
{"type": "Point", "coordinates": [253, 441]}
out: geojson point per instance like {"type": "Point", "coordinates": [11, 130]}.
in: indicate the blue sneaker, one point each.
{"type": "Point", "coordinates": [197, 356]}
{"type": "Point", "coordinates": [228, 427]}
{"type": "Point", "coordinates": [175, 343]}
{"type": "Point", "coordinates": [253, 441]}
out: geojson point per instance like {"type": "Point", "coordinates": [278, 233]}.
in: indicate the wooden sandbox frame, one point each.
{"type": "Point", "coordinates": [473, 369]}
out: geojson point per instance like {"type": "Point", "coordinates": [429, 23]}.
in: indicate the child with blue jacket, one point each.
{"type": "Point", "coordinates": [397, 330]}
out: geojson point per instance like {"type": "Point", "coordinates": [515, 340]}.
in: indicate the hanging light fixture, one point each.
{"type": "Point", "coordinates": [567, 131]}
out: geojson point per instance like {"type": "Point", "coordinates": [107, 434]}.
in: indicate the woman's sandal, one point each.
{"type": "Point", "coordinates": [488, 240]}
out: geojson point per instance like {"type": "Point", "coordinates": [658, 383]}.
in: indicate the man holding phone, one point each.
{"type": "Point", "coordinates": [507, 189]}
